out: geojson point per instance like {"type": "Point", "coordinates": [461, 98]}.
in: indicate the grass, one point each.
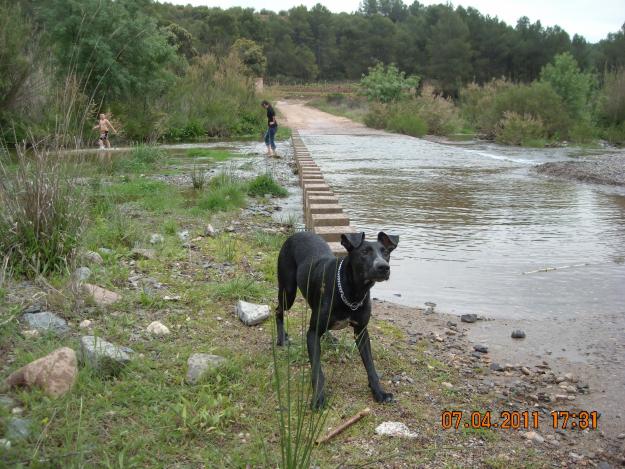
{"type": "Point", "coordinates": [352, 107]}
{"type": "Point", "coordinates": [265, 184]}
{"type": "Point", "coordinates": [213, 154]}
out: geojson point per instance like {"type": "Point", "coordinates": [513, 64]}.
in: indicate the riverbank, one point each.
{"type": "Point", "coordinates": [189, 280]}
{"type": "Point", "coordinates": [608, 169]}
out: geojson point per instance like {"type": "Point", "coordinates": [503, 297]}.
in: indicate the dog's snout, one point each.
{"type": "Point", "coordinates": [383, 268]}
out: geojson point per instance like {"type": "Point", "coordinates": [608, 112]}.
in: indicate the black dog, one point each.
{"type": "Point", "coordinates": [337, 291]}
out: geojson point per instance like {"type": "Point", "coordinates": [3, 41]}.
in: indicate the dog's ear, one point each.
{"type": "Point", "coordinates": [388, 241]}
{"type": "Point", "coordinates": [352, 241]}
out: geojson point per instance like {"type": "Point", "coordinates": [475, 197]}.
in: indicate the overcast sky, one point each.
{"type": "Point", "coordinates": [593, 19]}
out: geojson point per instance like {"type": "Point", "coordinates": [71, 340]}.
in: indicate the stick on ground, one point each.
{"type": "Point", "coordinates": [348, 423]}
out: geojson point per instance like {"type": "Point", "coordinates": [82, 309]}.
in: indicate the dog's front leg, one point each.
{"type": "Point", "coordinates": [361, 336]}
{"type": "Point", "coordinates": [313, 340]}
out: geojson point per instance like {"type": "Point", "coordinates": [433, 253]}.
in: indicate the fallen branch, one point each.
{"type": "Point", "coordinates": [551, 269]}
{"type": "Point", "coordinates": [348, 423]}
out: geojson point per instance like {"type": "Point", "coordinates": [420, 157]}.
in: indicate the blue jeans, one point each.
{"type": "Point", "coordinates": [270, 136]}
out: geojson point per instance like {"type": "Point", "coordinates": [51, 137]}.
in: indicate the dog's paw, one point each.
{"type": "Point", "coordinates": [318, 402]}
{"type": "Point", "coordinates": [384, 397]}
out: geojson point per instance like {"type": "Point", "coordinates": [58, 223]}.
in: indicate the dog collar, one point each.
{"type": "Point", "coordinates": [352, 306]}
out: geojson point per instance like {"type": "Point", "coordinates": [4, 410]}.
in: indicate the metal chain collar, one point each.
{"type": "Point", "coordinates": [352, 306]}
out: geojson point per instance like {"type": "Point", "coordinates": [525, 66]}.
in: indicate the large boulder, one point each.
{"type": "Point", "coordinates": [199, 364]}
{"type": "Point", "coordinates": [103, 356]}
{"type": "Point", "coordinates": [251, 314]}
{"type": "Point", "coordinates": [55, 373]}
{"type": "Point", "coordinates": [46, 322]}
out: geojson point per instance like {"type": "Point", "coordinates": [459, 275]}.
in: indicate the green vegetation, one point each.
{"type": "Point", "coordinates": [41, 214]}
{"type": "Point", "coordinates": [386, 84]}
{"type": "Point", "coordinates": [265, 184]}
{"type": "Point", "coordinates": [217, 155]}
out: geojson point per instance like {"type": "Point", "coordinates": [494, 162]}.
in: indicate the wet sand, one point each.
{"type": "Point", "coordinates": [589, 345]}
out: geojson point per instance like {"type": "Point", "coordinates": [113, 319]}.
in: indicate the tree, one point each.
{"type": "Point", "coordinates": [115, 50]}
{"type": "Point", "coordinates": [449, 53]}
{"type": "Point", "coordinates": [386, 84]}
{"type": "Point", "coordinates": [16, 39]}
{"type": "Point", "coordinates": [571, 85]}
{"type": "Point", "coordinates": [181, 40]}
{"type": "Point", "coordinates": [251, 55]}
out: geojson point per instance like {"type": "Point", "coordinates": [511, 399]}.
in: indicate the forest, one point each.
{"type": "Point", "coordinates": [175, 72]}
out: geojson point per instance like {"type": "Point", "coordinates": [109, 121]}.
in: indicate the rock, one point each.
{"type": "Point", "coordinates": [561, 397]}
{"type": "Point", "coordinates": [105, 251]}
{"type": "Point", "coordinates": [156, 238]}
{"type": "Point", "coordinates": [621, 436]}
{"type": "Point", "coordinates": [570, 377]}
{"type": "Point", "coordinates": [518, 334]}
{"type": "Point", "coordinates": [101, 296]}
{"type": "Point", "coordinates": [604, 465]}
{"type": "Point", "coordinates": [447, 385]}
{"type": "Point", "coordinates": [395, 429]}
{"type": "Point", "coordinates": [199, 364]}
{"type": "Point", "coordinates": [525, 370]}
{"type": "Point", "coordinates": [183, 235]}
{"type": "Point", "coordinates": [82, 274]}
{"type": "Point", "coordinates": [145, 254]}
{"type": "Point", "coordinates": [496, 367]}
{"type": "Point", "coordinates": [157, 329]}
{"type": "Point", "coordinates": [55, 373]}
{"type": "Point", "coordinates": [32, 309]}
{"type": "Point", "coordinates": [7, 402]}
{"type": "Point", "coordinates": [480, 348]}
{"type": "Point", "coordinates": [210, 231]}
{"type": "Point", "coordinates": [17, 429]}
{"type": "Point", "coordinates": [86, 324]}
{"type": "Point", "coordinates": [535, 437]}
{"type": "Point", "coordinates": [470, 318]}
{"type": "Point", "coordinates": [251, 314]}
{"type": "Point", "coordinates": [31, 333]}
{"type": "Point", "coordinates": [429, 307]}
{"type": "Point", "coordinates": [438, 338]}
{"type": "Point", "coordinates": [93, 257]}
{"type": "Point", "coordinates": [5, 444]}
{"type": "Point", "coordinates": [560, 379]}
{"type": "Point", "coordinates": [46, 322]}
{"type": "Point", "coordinates": [103, 356]}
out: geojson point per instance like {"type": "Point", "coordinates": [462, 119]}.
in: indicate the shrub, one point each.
{"type": "Point", "coordinates": [515, 129]}
{"type": "Point", "coordinates": [42, 214]}
{"type": "Point", "coordinates": [615, 134]}
{"type": "Point", "coordinates": [440, 114]}
{"type": "Point", "coordinates": [377, 116]}
{"type": "Point", "coordinates": [405, 122]}
{"type": "Point", "coordinates": [386, 84]}
{"type": "Point", "coordinates": [265, 184]}
{"type": "Point", "coordinates": [485, 108]}
{"type": "Point", "coordinates": [570, 84]}
{"type": "Point", "coordinates": [198, 177]}
{"type": "Point", "coordinates": [611, 106]}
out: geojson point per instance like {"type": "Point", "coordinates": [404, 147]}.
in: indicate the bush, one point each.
{"type": "Point", "coordinates": [265, 184]}
{"type": "Point", "coordinates": [515, 129]}
{"type": "Point", "coordinates": [486, 107]}
{"type": "Point", "coordinates": [377, 116]}
{"type": "Point", "coordinates": [403, 121]}
{"type": "Point", "coordinates": [440, 114]}
{"type": "Point", "coordinates": [611, 106]}
{"type": "Point", "coordinates": [386, 84]}
{"type": "Point", "coordinates": [615, 134]}
{"type": "Point", "coordinates": [42, 214]}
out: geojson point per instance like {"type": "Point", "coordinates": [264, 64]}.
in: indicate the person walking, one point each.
{"type": "Point", "coordinates": [272, 128]}
{"type": "Point", "coordinates": [104, 126]}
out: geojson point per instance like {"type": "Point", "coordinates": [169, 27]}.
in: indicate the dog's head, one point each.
{"type": "Point", "coordinates": [370, 258]}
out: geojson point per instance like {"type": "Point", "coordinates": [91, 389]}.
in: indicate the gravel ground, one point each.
{"type": "Point", "coordinates": [601, 170]}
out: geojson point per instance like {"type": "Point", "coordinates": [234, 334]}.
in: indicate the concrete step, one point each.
{"type": "Point", "coordinates": [322, 199]}
{"type": "Point", "coordinates": [329, 219]}
{"type": "Point", "coordinates": [324, 208]}
{"type": "Point", "coordinates": [333, 233]}
{"type": "Point", "coordinates": [337, 249]}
